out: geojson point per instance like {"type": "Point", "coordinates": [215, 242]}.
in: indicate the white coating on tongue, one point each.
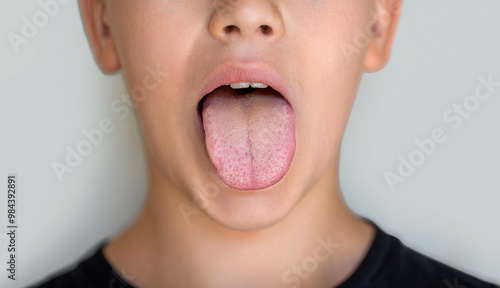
{"type": "Point", "coordinates": [250, 138]}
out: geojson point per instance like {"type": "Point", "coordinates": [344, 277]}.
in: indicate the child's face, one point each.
{"type": "Point", "coordinates": [306, 48]}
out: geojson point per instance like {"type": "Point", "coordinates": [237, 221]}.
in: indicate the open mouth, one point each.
{"type": "Point", "coordinates": [249, 134]}
{"type": "Point", "coordinates": [241, 88]}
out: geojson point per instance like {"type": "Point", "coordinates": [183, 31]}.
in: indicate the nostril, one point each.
{"type": "Point", "coordinates": [230, 28]}
{"type": "Point", "coordinates": [266, 30]}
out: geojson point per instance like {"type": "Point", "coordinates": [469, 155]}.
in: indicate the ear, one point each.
{"type": "Point", "coordinates": [385, 22]}
{"type": "Point", "coordinates": [95, 20]}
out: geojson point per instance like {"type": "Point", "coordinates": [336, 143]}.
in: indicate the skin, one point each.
{"type": "Point", "coordinates": [240, 238]}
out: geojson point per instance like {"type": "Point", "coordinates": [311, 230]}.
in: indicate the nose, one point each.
{"type": "Point", "coordinates": [247, 19]}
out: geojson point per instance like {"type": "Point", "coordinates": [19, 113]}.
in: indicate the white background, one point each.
{"type": "Point", "coordinates": [449, 208]}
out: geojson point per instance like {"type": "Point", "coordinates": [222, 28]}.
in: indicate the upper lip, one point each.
{"type": "Point", "coordinates": [249, 72]}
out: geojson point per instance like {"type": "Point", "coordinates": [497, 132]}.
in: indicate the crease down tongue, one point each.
{"type": "Point", "coordinates": [250, 138]}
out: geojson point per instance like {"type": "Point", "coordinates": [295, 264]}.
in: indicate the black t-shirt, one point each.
{"type": "Point", "coordinates": [388, 263]}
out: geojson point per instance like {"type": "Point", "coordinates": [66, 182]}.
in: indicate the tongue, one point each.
{"type": "Point", "coordinates": [250, 138]}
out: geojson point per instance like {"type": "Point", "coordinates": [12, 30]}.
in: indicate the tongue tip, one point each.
{"type": "Point", "coordinates": [251, 184]}
{"type": "Point", "coordinates": [256, 179]}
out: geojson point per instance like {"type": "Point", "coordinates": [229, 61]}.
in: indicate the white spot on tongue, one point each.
{"type": "Point", "coordinates": [250, 138]}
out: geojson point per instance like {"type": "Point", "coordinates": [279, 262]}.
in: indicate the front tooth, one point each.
{"type": "Point", "coordinates": [240, 85]}
{"type": "Point", "coordinates": [258, 85]}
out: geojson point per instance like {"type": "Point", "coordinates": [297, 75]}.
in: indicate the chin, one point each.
{"type": "Point", "coordinates": [248, 210]}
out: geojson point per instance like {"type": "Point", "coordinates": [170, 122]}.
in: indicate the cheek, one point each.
{"type": "Point", "coordinates": [330, 76]}
{"type": "Point", "coordinates": [154, 53]}
{"type": "Point", "coordinates": [154, 56]}
{"type": "Point", "coordinates": [156, 33]}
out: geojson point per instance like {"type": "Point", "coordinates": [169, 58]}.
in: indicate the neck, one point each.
{"type": "Point", "coordinates": [164, 249]}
